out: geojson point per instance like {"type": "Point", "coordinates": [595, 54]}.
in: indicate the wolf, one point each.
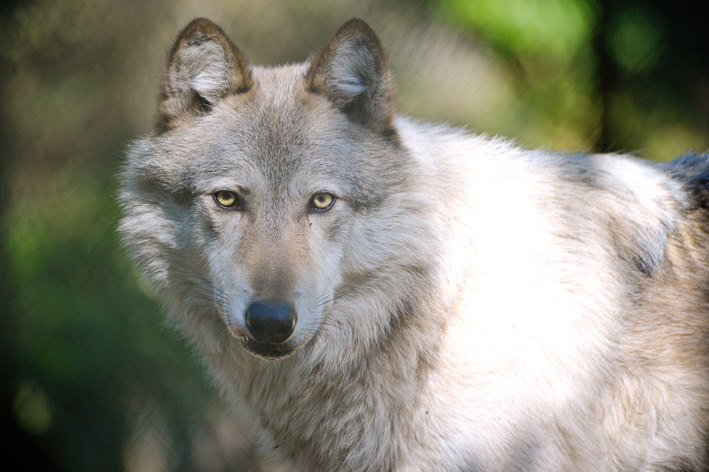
{"type": "Point", "coordinates": [373, 293]}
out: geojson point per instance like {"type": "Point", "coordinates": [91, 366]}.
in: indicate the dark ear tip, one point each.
{"type": "Point", "coordinates": [356, 23]}
{"type": "Point", "coordinates": [198, 30]}
{"type": "Point", "coordinates": [356, 26]}
{"type": "Point", "coordinates": [201, 25]}
{"type": "Point", "coordinates": [353, 28]}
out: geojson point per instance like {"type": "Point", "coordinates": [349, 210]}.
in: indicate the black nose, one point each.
{"type": "Point", "coordinates": [270, 321]}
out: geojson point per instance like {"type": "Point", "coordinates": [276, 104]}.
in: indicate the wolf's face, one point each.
{"type": "Point", "coordinates": [256, 179]}
{"type": "Point", "coordinates": [274, 194]}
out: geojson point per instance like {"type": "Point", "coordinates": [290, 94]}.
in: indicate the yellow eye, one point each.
{"type": "Point", "coordinates": [226, 199]}
{"type": "Point", "coordinates": [322, 201]}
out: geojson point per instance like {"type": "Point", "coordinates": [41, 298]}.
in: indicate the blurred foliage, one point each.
{"type": "Point", "coordinates": [91, 378]}
{"type": "Point", "coordinates": [545, 46]}
{"type": "Point", "coordinates": [620, 75]}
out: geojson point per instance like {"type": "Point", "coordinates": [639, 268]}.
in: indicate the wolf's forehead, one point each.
{"type": "Point", "coordinates": [276, 98]}
{"type": "Point", "coordinates": [277, 135]}
{"type": "Point", "coordinates": [276, 128]}
{"type": "Point", "coordinates": [276, 84]}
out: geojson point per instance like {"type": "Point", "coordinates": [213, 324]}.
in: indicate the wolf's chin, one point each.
{"type": "Point", "coordinates": [269, 351]}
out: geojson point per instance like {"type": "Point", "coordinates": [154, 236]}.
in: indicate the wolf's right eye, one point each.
{"type": "Point", "coordinates": [227, 199]}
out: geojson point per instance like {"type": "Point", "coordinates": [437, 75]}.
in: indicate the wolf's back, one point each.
{"type": "Point", "coordinates": [693, 171]}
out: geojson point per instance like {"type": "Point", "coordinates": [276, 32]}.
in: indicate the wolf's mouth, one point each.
{"type": "Point", "coordinates": [269, 351]}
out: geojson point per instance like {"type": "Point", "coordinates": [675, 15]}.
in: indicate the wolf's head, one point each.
{"type": "Point", "coordinates": [264, 195]}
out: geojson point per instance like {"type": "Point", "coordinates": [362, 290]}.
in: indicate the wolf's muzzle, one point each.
{"type": "Point", "coordinates": [271, 322]}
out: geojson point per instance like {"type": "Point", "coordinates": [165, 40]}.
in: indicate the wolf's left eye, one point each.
{"type": "Point", "coordinates": [227, 199]}
{"type": "Point", "coordinates": [322, 201]}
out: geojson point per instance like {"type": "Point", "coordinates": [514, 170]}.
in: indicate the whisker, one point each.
{"type": "Point", "coordinates": [340, 292]}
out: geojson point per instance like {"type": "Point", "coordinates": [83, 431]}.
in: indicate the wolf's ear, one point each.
{"type": "Point", "coordinates": [204, 66]}
{"type": "Point", "coordinates": [351, 71]}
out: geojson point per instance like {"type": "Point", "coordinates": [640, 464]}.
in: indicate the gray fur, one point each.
{"type": "Point", "coordinates": [464, 305]}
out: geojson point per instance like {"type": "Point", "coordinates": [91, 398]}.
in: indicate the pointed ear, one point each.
{"type": "Point", "coordinates": [204, 66]}
{"type": "Point", "coordinates": [352, 73]}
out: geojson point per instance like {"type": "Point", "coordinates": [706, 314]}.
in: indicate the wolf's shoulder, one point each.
{"type": "Point", "coordinates": [457, 150]}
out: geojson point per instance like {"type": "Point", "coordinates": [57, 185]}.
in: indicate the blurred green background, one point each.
{"type": "Point", "coordinates": [91, 377]}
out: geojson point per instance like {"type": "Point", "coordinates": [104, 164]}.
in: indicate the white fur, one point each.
{"type": "Point", "coordinates": [465, 305]}
{"type": "Point", "coordinates": [207, 72]}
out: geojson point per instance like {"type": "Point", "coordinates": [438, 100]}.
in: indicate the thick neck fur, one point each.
{"type": "Point", "coordinates": [323, 409]}
{"type": "Point", "coordinates": [339, 403]}
{"type": "Point", "coordinates": [467, 305]}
